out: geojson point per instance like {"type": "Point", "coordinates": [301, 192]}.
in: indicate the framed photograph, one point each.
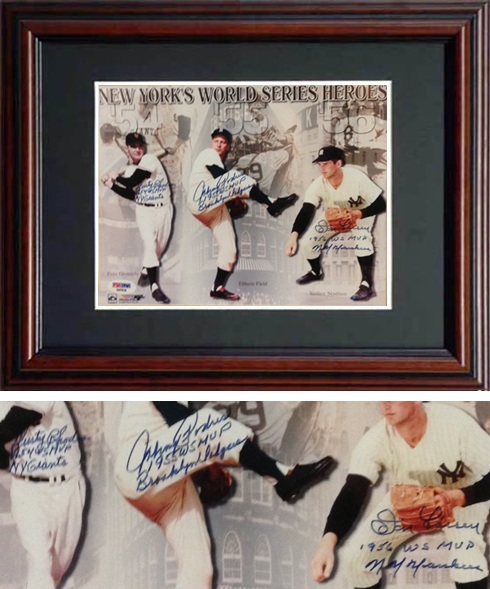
{"type": "Point", "coordinates": [198, 182]}
{"type": "Point", "coordinates": [208, 207]}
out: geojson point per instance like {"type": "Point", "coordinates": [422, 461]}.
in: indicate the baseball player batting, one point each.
{"type": "Point", "coordinates": [426, 449]}
{"type": "Point", "coordinates": [145, 182]}
{"type": "Point", "coordinates": [162, 445]}
{"type": "Point", "coordinates": [211, 186]}
{"type": "Point", "coordinates": [349, 201]}
{"type": "Point", "coordinates": [39, 446]}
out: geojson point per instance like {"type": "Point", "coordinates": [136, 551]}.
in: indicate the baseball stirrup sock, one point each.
{"type": "Point", "coordinates": [221, 278]}
{"type": "Point", "coordinates": [366, 263]}
{"type": "Point", "coordinates": [315, 265]}
{"type": "Point", "coordinates": [259, 196]}
{"type": "Point", "coordinates": [481, 584]}
{"type": "Point", "coordinates": [255, 459]}
{"type": "Point", "coordinates": [152, 275]}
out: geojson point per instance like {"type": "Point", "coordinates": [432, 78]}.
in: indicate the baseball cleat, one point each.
{"type": "Point", "coordinates": [222, 293]}
{"type": "Point", "coordinates": [309, 277]}
{"type": "Point", "coordinates": [144, 280]}
{"type": "Point", "coordinates": [363, 294]}
{"type": "Point", "coordinates": [292, 486]}
{"type": "Point", "coordinates": [277, 207]}
{"type": "Point", "coordinates": [160, 296]}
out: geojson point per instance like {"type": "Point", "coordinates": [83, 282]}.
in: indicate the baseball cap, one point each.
{"type": "Point", "coordinates": [224, 132]}
{"type": "Point", "coordinates": [329, 153]}
{"type": "Point", "coordinates": [134, 139]}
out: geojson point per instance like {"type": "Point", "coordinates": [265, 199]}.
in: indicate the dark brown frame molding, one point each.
{"type": "Point", "coordinates": [463, 26]}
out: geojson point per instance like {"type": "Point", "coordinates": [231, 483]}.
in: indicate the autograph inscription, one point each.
{"type": "Point", "coordinates": [42, 451]}
{"type": "Point", "coordinates": [352, 240]}
{"type": "Point", "coordinates": [232, 183]}
{"type": "Point", "coordinates": [376, 565]}
{"type": "Point", "coordinates": [152, 190]}
{"type": "Point", "coordinates": [194, 443]}
{"type": "Point", "coordinates": [386, 522]}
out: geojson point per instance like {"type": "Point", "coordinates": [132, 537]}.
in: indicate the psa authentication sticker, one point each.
{"type": "Point", "coordinates": [121, 286]}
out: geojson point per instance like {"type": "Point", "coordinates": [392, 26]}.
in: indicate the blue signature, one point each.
{"type": "Point", "coordinates": [340, 246]}
{"type": "Point", "coordinates": [193, 444]}
{"type": "Point", "coordinates": [42, 451]}
{"type": "Point", "coordinates": [376, 565]}
{"type": "Point", "coordinates": [323, 227]}
{"type": "Point", "coordinates": [232, 183]}
{"type": "Point", "coordinates": [386, 523]}
{"type": "Point", "coordinates": [152, 190]}
{"type": "Point", "coordinates": [44, 444]}
{"type": "Point", "coordinates": [31, 466]}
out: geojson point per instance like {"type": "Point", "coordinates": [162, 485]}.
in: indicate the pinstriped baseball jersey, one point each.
{"type": "Point", "coordinates": [453, 453]}
{"type": "Point", "coordinates": [357, 191]}
{"type": "Point", "coordinates": [207, 157]}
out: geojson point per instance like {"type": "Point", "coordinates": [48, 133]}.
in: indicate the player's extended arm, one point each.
{"type": "Point", "coordinates": [216, 171]}
{"type": "Point", "coordinates": [300, 224]}
{"type": "Point", "coordinates": [375, 208]}
{"type": "Point", "coordinates": [172, 411]}
{"type": "Point", "coordinates": [13, 425]}
{"type": "Point", "coordinates": [127, 193]}
{"type": "Point", "coordinates": [476, 493]}
{"type": "Point", "coordinates": [124, 186]}
{"type": "Point", "coordinates": [136, 178]}
{"type": "Point", "coordinates": [345, 510]}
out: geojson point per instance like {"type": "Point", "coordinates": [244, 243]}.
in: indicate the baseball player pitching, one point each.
{"type": "Point", "coordinates": [349, 201]}
{"type": "Point", "coordinates": [39, 446]}
{"type": "Point", "coordinates": [423, 447]}
{"type": "Point", "coordinates": [211, 186]}
{"type": "Point", "coordinates": [145, 182]}
{"type": "Point", "coordinates": [162, 445]}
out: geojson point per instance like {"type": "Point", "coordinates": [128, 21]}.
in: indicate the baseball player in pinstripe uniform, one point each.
{"type": "Point", "coordinates": [145, 181]}
{"type": "Point", "coordinates": [421, 444]}
{"type": "Point", "coordinates": [345, 187]}
{"type": "Point", "coordinates": [161, 444]}
{"type": "Point", "coordinates": [211, 186]}
{"type": "Point", "coordinates": [39, 446]}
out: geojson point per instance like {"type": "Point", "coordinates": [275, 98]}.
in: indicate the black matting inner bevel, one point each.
{"type": "Point", "coordinates": [69, 70]}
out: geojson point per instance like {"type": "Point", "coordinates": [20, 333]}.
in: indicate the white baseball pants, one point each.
{"type": "Point", "coordinates": [155, 225]}
{"type": "Point", "coordinates": [49, 521]}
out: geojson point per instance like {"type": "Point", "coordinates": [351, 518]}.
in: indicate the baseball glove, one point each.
{"type": "Point", "coordinates": [108, 132]}
{"type": "Point", "coordinates": [215, 484]}
{"type": "Point", "coordinates": [237, 208]}
{"type": "Point", "coordinates": [421, 509]}
{"type": "Point", "coordinates": [339, 219]}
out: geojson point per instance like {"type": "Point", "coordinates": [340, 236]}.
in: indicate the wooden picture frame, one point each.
{"type": "Point", "coordinates": [461, 363]}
